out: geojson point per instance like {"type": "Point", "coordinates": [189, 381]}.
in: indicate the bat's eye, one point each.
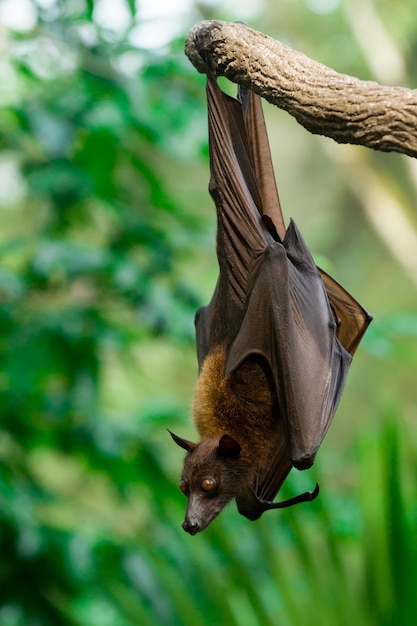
{"type": "Point", "coordinates": [208, 484]}
{"type": "Point", "coordinates": [183, 486]}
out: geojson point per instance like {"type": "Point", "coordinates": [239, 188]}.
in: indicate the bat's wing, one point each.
{"type": "Point", "coordinates": [261, 158]}
{"type": "Point", "coordinates": [242, 234]}
{"type": "Point", "coordinates": [351, 318]}
{"type": "Point", "coordinates": [289, 323]}
{"type": "Point", "coordinates": [271, 302]}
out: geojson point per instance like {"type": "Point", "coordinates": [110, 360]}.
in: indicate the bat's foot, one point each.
{"type": "Point", "coordinates": [307, 496]}
{"type": "Point", "coordinates": [253, 508]}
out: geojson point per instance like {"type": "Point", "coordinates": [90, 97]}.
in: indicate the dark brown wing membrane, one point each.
{"type": "Point", "coordinates": [351, 318]}
{"type": "Point", "coordinates": [261, 158]}
{"type": "Point", "coordinates": [241, 233]}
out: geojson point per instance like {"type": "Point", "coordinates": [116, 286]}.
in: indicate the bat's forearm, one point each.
{"type": "Point", "coordinates": [325, 102]}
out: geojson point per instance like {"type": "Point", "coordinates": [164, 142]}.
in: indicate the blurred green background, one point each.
{"type": "Point", "coordinates": [106, 250]}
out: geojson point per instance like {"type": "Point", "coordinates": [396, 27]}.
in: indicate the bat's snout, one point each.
{"type": "Point", "coordinates": [200, 512]}
{"type": "Point", "coordinates": [191, 527]}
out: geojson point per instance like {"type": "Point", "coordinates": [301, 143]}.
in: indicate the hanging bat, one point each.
{"type": "Point", "coordinates": [275, 343]}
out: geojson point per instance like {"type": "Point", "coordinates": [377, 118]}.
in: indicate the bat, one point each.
{"type": "Point", "coordinates": [275, 343]}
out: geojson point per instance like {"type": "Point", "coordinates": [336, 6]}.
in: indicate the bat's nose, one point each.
{"type": "Point", "coordinates": [191, 527]}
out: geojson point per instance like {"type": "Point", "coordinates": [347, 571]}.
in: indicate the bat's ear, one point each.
{"type": "Point", "coordinates": [229, 447]}
{"type": "Point", "coordinates": [183, 443]}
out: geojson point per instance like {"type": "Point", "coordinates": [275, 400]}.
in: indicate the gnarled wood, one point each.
{"type": "Point", "coordinates": [325, 102]}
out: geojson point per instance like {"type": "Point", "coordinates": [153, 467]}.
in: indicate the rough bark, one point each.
{"type": "Point", "coordinates": [325, 102]}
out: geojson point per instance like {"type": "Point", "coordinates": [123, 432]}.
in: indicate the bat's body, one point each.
{"type": "Point", "coordinates": [274, 344]}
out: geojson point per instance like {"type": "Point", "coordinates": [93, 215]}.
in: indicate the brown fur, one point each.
{"type": "Point", "coordinates": [242, 405]}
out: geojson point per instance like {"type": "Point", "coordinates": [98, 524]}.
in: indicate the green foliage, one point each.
{"type": "Point", "coordinates": [106, 250]}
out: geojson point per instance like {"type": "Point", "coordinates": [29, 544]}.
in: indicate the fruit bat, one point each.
{"type": "Point", "coordinates": [276, 341]}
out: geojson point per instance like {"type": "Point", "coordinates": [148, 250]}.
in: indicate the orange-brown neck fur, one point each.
{"type": "Point", "coordinates": [242, 405]}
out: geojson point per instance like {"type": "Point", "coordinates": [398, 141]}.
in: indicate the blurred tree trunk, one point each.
{"type": "Point", "coordinates": [325, 102]}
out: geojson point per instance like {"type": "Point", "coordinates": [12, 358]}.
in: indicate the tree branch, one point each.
{"type": "Point", "coordinates": [344, 108]}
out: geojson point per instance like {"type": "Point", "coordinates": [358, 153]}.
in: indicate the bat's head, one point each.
{"type": "Point", "coordinates": [213, 474]}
